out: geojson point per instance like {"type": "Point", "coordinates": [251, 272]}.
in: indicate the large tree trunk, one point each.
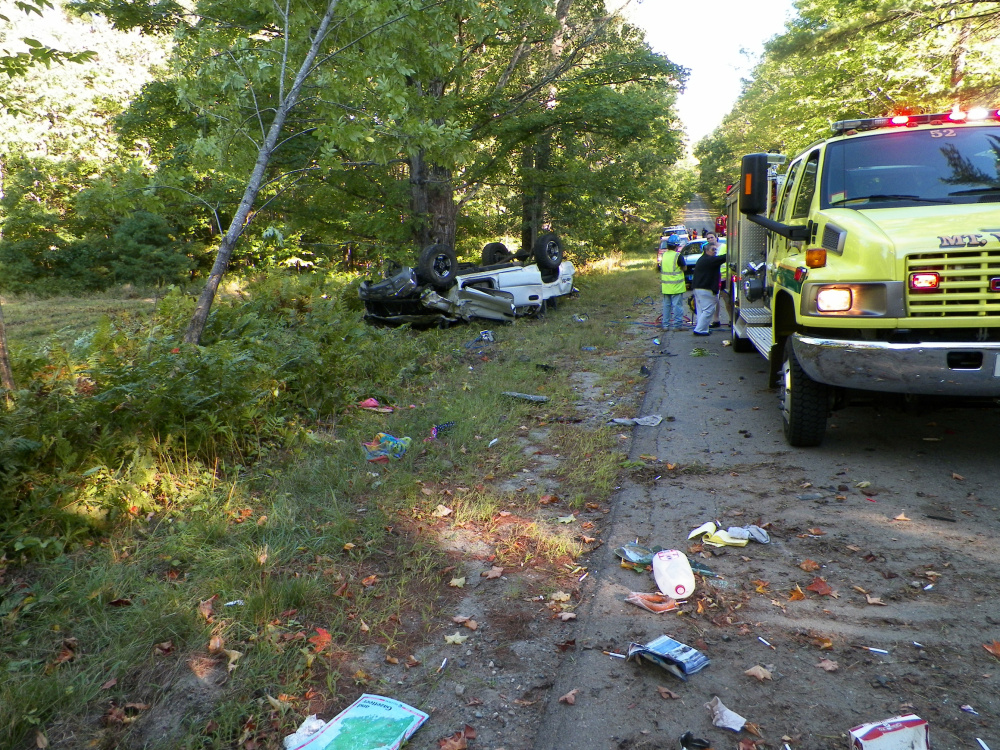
{"type": "Point", "coordinates": [537, 157]}
{"type": "Point", "coordinates": [432, 195]}
{"type": "Point", "coordinates": [6, 376]}
{"type": "Point", "coordinates": [197, 325]}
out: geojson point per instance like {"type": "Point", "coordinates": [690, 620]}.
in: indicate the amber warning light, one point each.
{"type": "Point", "coordinates": [924, 280]}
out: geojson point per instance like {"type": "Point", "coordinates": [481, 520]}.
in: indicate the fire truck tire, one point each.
{"type": "Point", "coordinates": [804, 403]}
{"type": "Point", "coordinates": [437, 266]}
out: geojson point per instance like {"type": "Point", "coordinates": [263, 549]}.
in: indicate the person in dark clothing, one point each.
{"type": "Point", "coordinates": [706, 279]}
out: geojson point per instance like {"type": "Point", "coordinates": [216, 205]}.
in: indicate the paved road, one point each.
{"type": "Point", "coordinates": [698, 215]}
{"type": "Point", "coordinates": [725, 425]}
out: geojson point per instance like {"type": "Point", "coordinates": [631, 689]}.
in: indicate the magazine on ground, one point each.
{"type": "Point", "coordinates": [372, 722]}
{"type": "Point", "coordinates": [675, 657]}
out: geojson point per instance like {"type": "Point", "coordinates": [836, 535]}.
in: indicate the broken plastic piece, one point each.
{"type": "Point", "coordinates": [526, 397]}
{"type": "Point", "coordinates": [723, 538]}
{"type": "Point", "coordinates": [651, 421]}
{"type": "Point", "coordinates": [307, 729]}
{"type": "Point", "coordinates": [634, 552]}
{"type": "Point", "coordinates": [690, 742]}
{"type": "Point", "coordinates": [652, 602]}
{"type": "Point", "coordinates": [384, 447]}
{"type": "Point", "coordinates": [724, 718]}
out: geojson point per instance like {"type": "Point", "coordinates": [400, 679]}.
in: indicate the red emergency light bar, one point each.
{"type": "Point", "coordinates": [942, 118]}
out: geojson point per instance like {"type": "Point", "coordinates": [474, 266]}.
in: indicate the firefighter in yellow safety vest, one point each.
{"type": "Point", "coordinates": [672, 285]}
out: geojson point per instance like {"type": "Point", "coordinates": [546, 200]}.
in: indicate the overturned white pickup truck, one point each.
{"type": "Point", "coordinates": [440, 290]}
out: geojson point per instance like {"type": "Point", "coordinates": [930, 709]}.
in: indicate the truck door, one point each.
{"type": "Point", "coordinates": [796, 203]}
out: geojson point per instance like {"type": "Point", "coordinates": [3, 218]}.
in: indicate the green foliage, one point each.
{"type": "Point", "coordinates": [843, 59]}
{"type": "Point", "coordinates": [82, 440]}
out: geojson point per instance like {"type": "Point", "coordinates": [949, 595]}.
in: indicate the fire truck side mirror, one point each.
{"type": "Point", "coordinates": [753, 184]}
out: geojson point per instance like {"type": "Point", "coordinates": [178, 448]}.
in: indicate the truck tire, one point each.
{"type": "Point", "coordinates": [548, 251]}
{"type": "Point", "coordinates": [804, 402]}
{"type": "Point", "coordinates": [437, 266]}
{"type": "Point", "coordinates": [495, 252]}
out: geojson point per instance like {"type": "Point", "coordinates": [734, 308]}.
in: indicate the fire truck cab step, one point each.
{"type": "Point", "coordinates": [762, 338]}
{"type": "Point", "coordinates": [755, 316]}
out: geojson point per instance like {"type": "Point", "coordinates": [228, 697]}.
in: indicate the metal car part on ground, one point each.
{"type": "Point", "coordinates": [440, 290]}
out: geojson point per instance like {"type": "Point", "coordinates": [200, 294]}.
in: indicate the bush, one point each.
{"type": "Point", "coordinates": [98, 424]}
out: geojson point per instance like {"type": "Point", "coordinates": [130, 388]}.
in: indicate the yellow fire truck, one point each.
{"type": "Point", "coordinates": [872, 263]}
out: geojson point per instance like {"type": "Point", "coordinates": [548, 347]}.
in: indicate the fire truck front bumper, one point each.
{"type": "Point", "coordinates": [940, 368]}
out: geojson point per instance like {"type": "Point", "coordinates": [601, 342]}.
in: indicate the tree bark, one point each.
{"type": "Point", "coordinates": [537, 157]}
{"type": "Point", "coordinates": [6, 376]}
{"type": "Point", "coordinates": [242, 217]}
{"type": "Point", "coordinates": [432, 195]}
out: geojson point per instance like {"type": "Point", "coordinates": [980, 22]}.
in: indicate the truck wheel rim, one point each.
{"type": "Point", "coordinates": [442, 265]}
{"type": "Point", "coordinates": [551, 250]}
{"type": "Point", "coordinates": [785, 394]}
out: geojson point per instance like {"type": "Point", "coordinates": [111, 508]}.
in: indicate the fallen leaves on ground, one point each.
{"type": "Point", "coordinates": [205, 608]}
{"type": "Point", "coordinates": [761, 586]}
{"type": "Point", "coordinates": [874, 600]}
{"type": "Point", "coordinates": [495, 572]}
{"type": "Point", "coordinates": [411, 661]}
{"type": "Point", "coordinates": [810, 566]}
{"type": "Point", "coordinates": [816, 531]}
{"type": "Point", "coordinates": [162, 649]}
{"type": "Point", "coordinates": [567, 519]}
{"type": "Point", "coordinates": [824, 643]}
{"type": "Point", "coordinates": [234, 656]}
{"type": "Point", "coordinates": [821, 587]}
{"type": "Point", "coordinates": [459, 740]}
{"type": "Point", "coordinates": [570, 697]}
{"type": "Point", "coordinates": [758, 672]}
{"type": "Point", "coordinates": [746, 744]}
{"type": "Point", "coordinates": [457, 583]}
{"type": "Point", "coordinates": [559, 596]}
{"type": "Point", "coordinates": [321, 640]}
{"type": "Point", "coordinates": [457, 639]}
{"type": "Point", "coordinates": [566, 616]}
{"type": "Point", "coordinates": [797, 594]}
{"type": "Point", "coordinates": [957, 477]}
{"type": "Point", "coordinates": [901, 517]}
{"type": "Point", "coordinates": [666, 693]}
{"type": "Point", "coordinates": [828, 665]}
{"type": "Point", "coordinates": [993, 648]}
{"type": "Point", "coordinates": [215, 644]}
{"type": "Point", "coordinates": [442, 511]}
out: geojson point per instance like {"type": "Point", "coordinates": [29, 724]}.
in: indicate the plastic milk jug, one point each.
{"type": "Point", "coordinates": [672, 573]}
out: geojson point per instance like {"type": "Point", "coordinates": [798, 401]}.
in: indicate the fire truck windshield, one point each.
{"type": "Point", "coordinates": [911, 167]}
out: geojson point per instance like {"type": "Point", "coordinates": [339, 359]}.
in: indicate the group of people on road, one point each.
{"type": "Point", "coordinates": [707, 282]}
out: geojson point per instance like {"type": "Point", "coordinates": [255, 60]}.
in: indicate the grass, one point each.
{"type": "Point", "coordinates": [312, 539]}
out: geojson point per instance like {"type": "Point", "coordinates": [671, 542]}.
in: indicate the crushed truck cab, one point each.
{"type": "Point", "coordinates": [872, 263]}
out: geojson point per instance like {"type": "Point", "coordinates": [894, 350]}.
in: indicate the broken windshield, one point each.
{"type": "Point", "coordinates": [911, 167]}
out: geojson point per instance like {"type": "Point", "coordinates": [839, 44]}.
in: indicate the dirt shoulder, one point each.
{"type": "Point", "coordinates": [882, 539]}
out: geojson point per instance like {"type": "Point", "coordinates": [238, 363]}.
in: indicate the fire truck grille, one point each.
{"type": "Point", "coordinates": [969, 286]}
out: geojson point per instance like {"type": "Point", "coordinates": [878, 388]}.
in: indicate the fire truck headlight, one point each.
{"type": "Point", "coordinates": [834, 300]}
